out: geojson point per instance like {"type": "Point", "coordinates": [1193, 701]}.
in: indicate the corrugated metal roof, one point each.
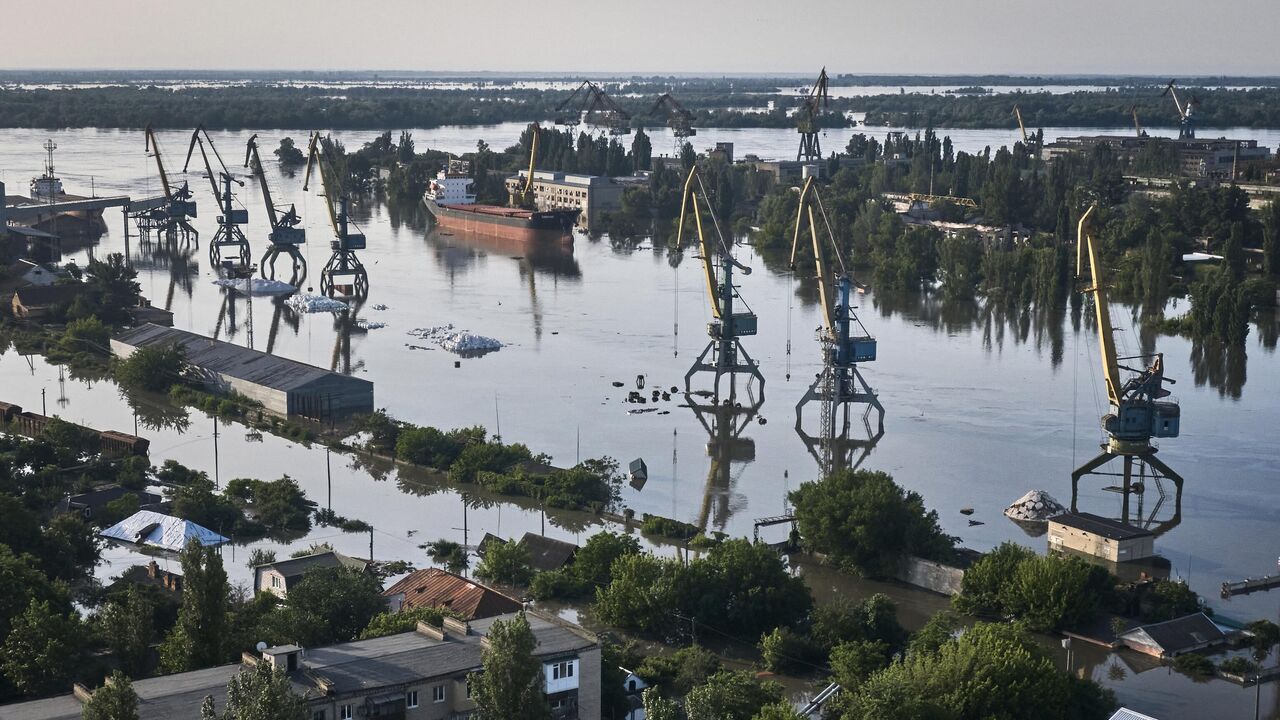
{"type": "Point", "coordinates": [434, 587]}
{"type": "Point", "coordinates": [1180, 634]}
{"type": "Point", "coordinates": [235, 361]}
{"type": "Point", "coordinates": [548, 553]}
{"type": "Point", "coordinates": [1127, 714]}
{"type": "Point", "coordinates": [163, 531]}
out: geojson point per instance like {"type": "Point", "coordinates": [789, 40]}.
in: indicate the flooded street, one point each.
{"type": "Point", "coordinates": [982, 404]}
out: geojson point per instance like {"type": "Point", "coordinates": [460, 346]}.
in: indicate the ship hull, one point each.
{"type": "Point", "coordinates": [507, 223]}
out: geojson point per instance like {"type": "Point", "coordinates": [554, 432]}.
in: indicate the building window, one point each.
{"type": "Point", "coordinates": [344, 712]}
{"type": "Point", "coordinates": [317, 715]}
{"type": "Point", "coordinates": [437, 694]}
{"type": "Point", "coordinates": [468, 688]}
{"type": "Point", "coordinates": [563, 669]}
{"type": "Point", "coordinates": [275, 581]}
{"type": "Point", "coordinates": [411, 699]}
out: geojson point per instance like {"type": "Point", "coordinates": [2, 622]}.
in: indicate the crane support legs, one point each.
{"type": "Point", "coordinates": [230, 237]}
{"type": "Point", "coordinates": [1142, 461]}
{"type": "Point", "coordinates": [727, 352]}
{"type": "Point", "coordinates": [837, 389]}
{"type": "Point", "coordinates": [268, 265]}
{"type": "Point", "coordinates": [344, 274]}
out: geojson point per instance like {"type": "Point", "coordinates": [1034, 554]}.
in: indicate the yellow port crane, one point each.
{"type": "Point", "coordinates": [1137, 127]}
{"type": "Point", "coordinates": [1017, 112]}
{"type": "Point", "coordinates": [343, 274]}
{"type": "Point", "coordinates": [1139, 410]}
{"type": "Point", "coordinates": [285, 235]}
{"type": "Point", "coordinates": [727, 326]}
{"type": "Point", "coordinates": [229, 236]}
{"type": "Point", "coordinates": [845, 343]}
{"type": "Point", "coordinates": [807, 119]}
{"type": "Point", "coordinates": [524, 198]}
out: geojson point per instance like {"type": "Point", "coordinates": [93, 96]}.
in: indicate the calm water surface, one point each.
{"type": "Point", "coordinates": [983, 405]}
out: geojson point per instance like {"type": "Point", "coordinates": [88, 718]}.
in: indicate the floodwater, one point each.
{"type": "Point", "coordinates": [982, 404]}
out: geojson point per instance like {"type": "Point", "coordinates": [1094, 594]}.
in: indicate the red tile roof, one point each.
{"type": "Point", "coordinates": [434, 587]}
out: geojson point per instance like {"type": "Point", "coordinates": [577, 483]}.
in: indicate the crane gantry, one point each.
{"type": "Point", "coordinates": [229, 235]}
{"type": "Point", "coordinates": [285, 236]}
{"type": "Point", "coordinates": [1139, 411]}
{"type": "Point", "coordinates": [178, 206]}
{"type": "Point", "coordinates": [727, 326]}
{"type": "Point", "coordinates": [679, 119]}
{"type": "Point", "coordinates": [807, 119]}
{"type": "Point", "coordinates": [845, 341]}
{"type": "Point", "coordinates": [1186, 113]}
{"type": "Point", "coordinates": [590, 103]}
{"type": "Point", "coordinates": [343, 265]}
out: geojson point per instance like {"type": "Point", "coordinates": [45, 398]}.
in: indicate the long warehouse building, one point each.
{"type": "Point", "coordinates": [283, 386]}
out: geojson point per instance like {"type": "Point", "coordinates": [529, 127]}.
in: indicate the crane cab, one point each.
{"type": "Point", "coordinates": [235, 217]}
{"type": "Point", "coordinates": [351, 241]}
{"type": "Point", "coordinates": [282, 236]}
{"type": "Point", "coordinates": [1140, 420]}
{"type": "Point", "coordinates": [182, 209]}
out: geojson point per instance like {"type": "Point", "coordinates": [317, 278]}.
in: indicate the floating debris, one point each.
{"type": "Point", "coordinates": [370, 324]}
{"type": "Point", "coordinates": [617, 383]}
{"type": "Point", "coordinates": [638, 411]}
{"type": "Point", "coordinates": [306, 303]}
{"type": "Point", "coordinates": [379, 306]}
{"type": "Point", "coordinates": [975, 522]}
{"type": "Point", "coordinates": [966, 511]}
{"type": "Point", "coordinates": [458, 341]}
{"type": "Point", "coordinates": [1035, 506]}
{"type": "Point", "coordinates": [256, 286]}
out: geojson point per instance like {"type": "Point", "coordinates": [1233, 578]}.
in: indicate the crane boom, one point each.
{"type": "Point", "coordinates": [251, 153]}
{"type": "Point", "coordinates": [1018, 113]}
{"type": "Point", "coordinates": [154, 148]}
{"type": "Point", "coordinates": [809, 197]}
{"type": "Point", "coordinates": [1173, 91]}
{"type": "Point", "coordinates": [316, 157]}
{"type": "Point", "coordinates": [1137, 127]}
{"type": "Point", "coordinates": [1106, 342]}
{"type": "Point", "coordinates": [693, 190]}
{"type": "Point", "coordinates": [525, 197]}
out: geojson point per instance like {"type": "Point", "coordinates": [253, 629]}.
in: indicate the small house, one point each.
{"type": "Point", "coordinates": [1127, 714]}
{"type": "Point", "coordinates": [1175, 637]}
{"type": "Point", "coordinates": [89, 504]}
{"type": "Point", "coordinates": [1101, 537]}
{"type": "Point", "coordinates": [24, 273]}
{"type": "Point", "coordinates": [433, 587]}
{"type": "Point", "coordinates": [37, 302]}
{"type": "Point", "coordinates": [278, 577]}
{"type": "Point", "coordinates": [548, 553]}
{"type": "Point", "coordinates": [162, 531]}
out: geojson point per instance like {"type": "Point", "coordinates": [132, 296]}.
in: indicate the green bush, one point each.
{"type": "Point", "coordinates": [1195, 665]}
{"type": "Point", "coordinates": [154, 368]}
{"type": "Point", "coordinates": [1238, 666]}
{"type": "Point", "coordinates": [1047, 592]}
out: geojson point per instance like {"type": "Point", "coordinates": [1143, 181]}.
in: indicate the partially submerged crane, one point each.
{"type": "Point", "coordinates": [1186, 113]}
{"type": "Point", "coordinates": [1017, 112]}
{"type": "Point", "coordinates": [679, 119]}
{"type": "Point", "coordinates": [807, 119]}
{"type": "Point", "coordinates": [1137, 126]}
{"type": "Point", "coordinates": [343, 274]}
{"type": "Point", "coordinates": [178, 206]}
{"type": "Point", "coordinates": [725, 330]}
{"type": "Point", "coordinates": [590, 103]}
{"type": "Point", "coordinates": [1139, 411]}
{"type": "Point", "coordinates": [229, 235]}
{"type": "Point", "coordinates": [285, 236]}
{"type": "Point", "coordinates": [845, 341]}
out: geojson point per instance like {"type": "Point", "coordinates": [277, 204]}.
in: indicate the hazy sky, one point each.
{"type": "Point", "coordinates": [1161, 37]}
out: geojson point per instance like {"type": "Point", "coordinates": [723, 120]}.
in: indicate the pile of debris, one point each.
{"type": "Point", "coordinates": [457, 341]}
{"type": "Point", "coordinates": [256, 286]}
{"type": "Point", "coordinates": [305, 303]}
{"type": "Point", "coordinates": [1035, 506]}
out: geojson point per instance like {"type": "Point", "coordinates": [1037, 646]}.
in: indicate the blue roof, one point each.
{"type": "Point", "coordinates": [163, 531]}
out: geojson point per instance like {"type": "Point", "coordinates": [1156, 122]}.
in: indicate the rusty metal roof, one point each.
{"type": "Point", "coordinates": [434, 587]}
{"type": "Point", "coordinates": [235, 361]}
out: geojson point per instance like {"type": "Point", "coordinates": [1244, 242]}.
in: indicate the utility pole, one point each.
{"type": "Point", "coordinates": [370, 543]}
{"type": "Point", "coordinates": [216, 482]}
{"type": "Point", "coordinates": [328, 472]}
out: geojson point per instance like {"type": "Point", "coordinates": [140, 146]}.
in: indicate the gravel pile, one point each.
{"type": "Point", "coordinates": [1035, 506]}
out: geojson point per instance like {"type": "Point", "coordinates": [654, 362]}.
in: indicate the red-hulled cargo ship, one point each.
{"type": "Point", "coordinates": [453, 205]}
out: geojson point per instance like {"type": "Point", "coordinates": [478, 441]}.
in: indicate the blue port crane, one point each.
{"type": "Point", "coordinates": [1139, 405]}
{"type": "Point", "coordinates": [727, 327]}
{"type": "Point", "coordinates": [343, 274]}
{"type": "Point", "coordinates": [285, 236]}
{"type": "Point", "coordinates": [172, 217]}
{"type": "Point", "coordinates": [840, 387]}
{"type": "Point", "coordinates": [229, 240]}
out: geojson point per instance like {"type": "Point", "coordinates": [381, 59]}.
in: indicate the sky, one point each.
{"type": "Point", "coordinates": [1148, 37]}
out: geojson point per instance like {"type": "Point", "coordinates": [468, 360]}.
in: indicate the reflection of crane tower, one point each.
{"type": "Point", "coordinates": [724, 423]}
{"type": "Point", "coordinates": [170, 219]}
{"type": "Point", "coordinates": [807, 119]}
{"type": "Point", "coordinates": [344, 274]}
{"type": "Point", "coordinates": [285, 235]}
{"type": "Point", "coordinates": [1138, 410]}
{"type": "Point", "coordinates": [345, 325]}
{"type": "Point", "coordinates": [679, 120]}
{"type": "Point", "coordinates": [291, 317]}
{"type": "Point", "coordinates": [840, 385]}
{"type": "Point", "coordinates": [1186, 113]}
{"type": "Point", "coordinates": [229, 236]}
{"type": "Point", "coordinates": [591, 104]}
{"type": "Point", "coordinates": [727, 354]}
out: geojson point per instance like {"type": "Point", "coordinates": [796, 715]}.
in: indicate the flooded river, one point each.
{"type": "Point", "coordinates": [982, 405]}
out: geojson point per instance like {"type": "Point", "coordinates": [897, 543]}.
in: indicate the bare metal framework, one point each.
{"type": "Point", "coordinates": [285, 236]}
{"type": "Point", "coordinates": [811, 106]}
{"type": "Point", "coordinates": [343, 275]}
{"type": "Point", "coordinates": [229, 242]}
{"type": "Point", "coordinates": [169, 219]}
